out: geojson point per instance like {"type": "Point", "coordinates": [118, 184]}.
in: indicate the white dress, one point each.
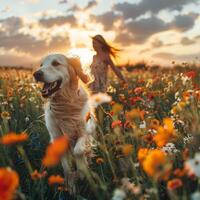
{"type": "Point", "coordinates": [99, 70]}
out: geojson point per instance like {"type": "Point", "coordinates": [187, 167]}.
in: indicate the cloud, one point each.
{"type": "Point", "coordinates": [62, 1]}
{"type": "Point", "coordinates": [157, 43]}
{"type": "Point", "coordinates": [133, 11]}
{"type": "Point", "coordinates": [184, 22]}
{"type": "Point", "coordinates": [29, 44]}
{"type": "Point", "coordinates": [91, 4]}
{"type": "Point", "coordinates": [141, 30]}
{"type": "Point", "coordinates": [58, 21]}
{"type": "Point", "coordinates": [6, 9]}
{"type": "Point", "coordinates": [107, 19]}
{"type": "Point", "coordinates": [124, 38]}
{"type": "Point", "coordinates": [12, 24]}
{"type": "Point", "coordinates": [186, 41]}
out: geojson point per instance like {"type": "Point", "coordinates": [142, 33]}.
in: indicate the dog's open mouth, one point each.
{"type": "Point", "coordinates": [50, 88]}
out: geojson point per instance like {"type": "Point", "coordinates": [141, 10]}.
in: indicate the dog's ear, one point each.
{"type": "Point", "coordinates": [76, 64]}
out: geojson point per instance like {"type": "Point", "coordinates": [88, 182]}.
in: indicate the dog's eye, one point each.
{"type": "Point", "coordinates": [55, 63]}
{"type": "Point", "coordinates": [41, 64]}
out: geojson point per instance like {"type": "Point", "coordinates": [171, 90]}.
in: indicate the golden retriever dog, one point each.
{"type": "Point", "coordinates": [68, 105]}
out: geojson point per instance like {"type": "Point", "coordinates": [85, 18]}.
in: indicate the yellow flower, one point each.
{"type": "Point", "coordinates": [5, 115]}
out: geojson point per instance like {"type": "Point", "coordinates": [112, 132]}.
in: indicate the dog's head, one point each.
{"type": "Point", "coordinates": [56, 71]}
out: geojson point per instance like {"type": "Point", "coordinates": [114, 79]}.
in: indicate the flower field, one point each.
{"type": "Point", "coordinates": [147, 143]}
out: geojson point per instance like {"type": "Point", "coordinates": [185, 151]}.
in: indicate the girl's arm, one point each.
{"type": "Point", "coordinates": [115, 69]}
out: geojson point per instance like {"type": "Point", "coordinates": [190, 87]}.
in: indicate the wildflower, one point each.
{"type": "Point", "coordinates": [190, 74]}
{"type": "Point", "coordinates": [142, 153]}
{"type": "Point", "coordinates": [156, 164]}
{"type": "Point", "coordinates": [154, 124]}
{"type": "Point", "coordinates": [138, 90]}
{"type": "Point", "coordinates": [117, 108]}
{"type": "Point", "coordinates": [136, 99]}
{"type": "Point", "coordinates": [170, 148]}
{"type": "Point", "coordinates": [179, 172]}
{"type": "Point", "coordinates": [99, 160]}
{"type": "Point", "coordinates": [55, 151]}
{"type": "Point", "coordinates": [9, 181]}
{"type": "Point", "coordinates": [99, 98]}
{"type": "Point", "coordinates": [127, 185]}
{"type": "Point", "coordinates": [13, 138]}
{"type": "Point", "coordinates": [195, 195]}
{"type": "Point", "coordinates": [36, 175]}
{"type": "Point", "coordinates": [127, 149]}
{"type": "Point", "coordinates": [193, 165]}
{"type": "Point", "coordinates": [165, 133]}
{"type": "Point", "coordinates": [135, 113]}
{"type": "Point", "coordinates": [142, 125]}
{"type": "Point", "coordinates": [5, 115]}
{"type": "Point", "coordinates": [62, 188]}
{"type": "Point", "coordinates": [55, 179]}
{"type": "Point", "coordinates": [174, 184]}
{"type": "Point", "coordinates": [119, 194]}
{"type": "Point", "coordinates": [116, 123]}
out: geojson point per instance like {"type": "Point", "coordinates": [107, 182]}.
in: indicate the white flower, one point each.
{"type": "Point", "coordinates": [195, 196]}
{"type": "Point", "coordinates": [170, 148]}
{"type": "Point", "coordinates": [193, 165]}
{"type": "Point", "coordinates": [142, 125]}
{"type": "Point", "coordinates": [119, 194]}
{"type": "Point", "coordinates": [99, 98]}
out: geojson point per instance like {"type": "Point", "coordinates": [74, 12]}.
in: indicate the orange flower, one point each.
{"type": "Point", "coordinates": [174, 184]}
{"type": "Point", "coordinates": [116, 123]}
{"type": "Point", "coordinates": [142, 153]}
{"type": "Point", "coordinates": [13, 138]}
{"type": "Point", "coordinates": [99, 160]}
{"type": "Point", "coordinates": [135, 113]}
{"type": "Point", "coordinates": [156, 164]}
{"type": "Point", "coordinates": [127, 149]}
{"type": "Point", "coordinates": [117, 108]}
{"type": "Point", "coordinates": [165, 133]}
{"type": "Point", "coordinates": [9, 181]}
{"type": "Point", "coordinates": [55, 151]}
{"type": "Point", "coordinates": [55, 179]}
{"type": "Point", "coordinates": [180, 172]}
{"type": "Point", "coordinates": [36, 175]}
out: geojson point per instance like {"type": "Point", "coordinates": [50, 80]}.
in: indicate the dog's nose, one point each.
{"type": "Point", "coordinates": [38, 75]}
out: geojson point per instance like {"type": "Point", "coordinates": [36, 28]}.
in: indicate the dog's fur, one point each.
{"type": "Point", "coordinates": [66, 109]}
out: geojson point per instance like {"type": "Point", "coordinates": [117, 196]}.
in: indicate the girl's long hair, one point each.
{"type": "Point", "coordinates": [106, 47]}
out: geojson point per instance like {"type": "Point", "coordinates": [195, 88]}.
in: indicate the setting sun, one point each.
{"type": "Point", "coordinates": [84, 54]}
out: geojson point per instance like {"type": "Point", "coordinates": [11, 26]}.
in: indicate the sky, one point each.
{"type": "Point", "coordinates": [154, 31]}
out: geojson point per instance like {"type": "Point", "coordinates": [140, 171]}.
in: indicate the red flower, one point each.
{"type": "Point", "coordinates": [190, 74]}
{"type": "Point", "coordinates": [116, 123]}
{"type": "Point", "coordinates": [135, 99]}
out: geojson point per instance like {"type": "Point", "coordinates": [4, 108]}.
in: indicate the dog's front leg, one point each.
{"type": "Point", "coordinates": [69, 173]}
